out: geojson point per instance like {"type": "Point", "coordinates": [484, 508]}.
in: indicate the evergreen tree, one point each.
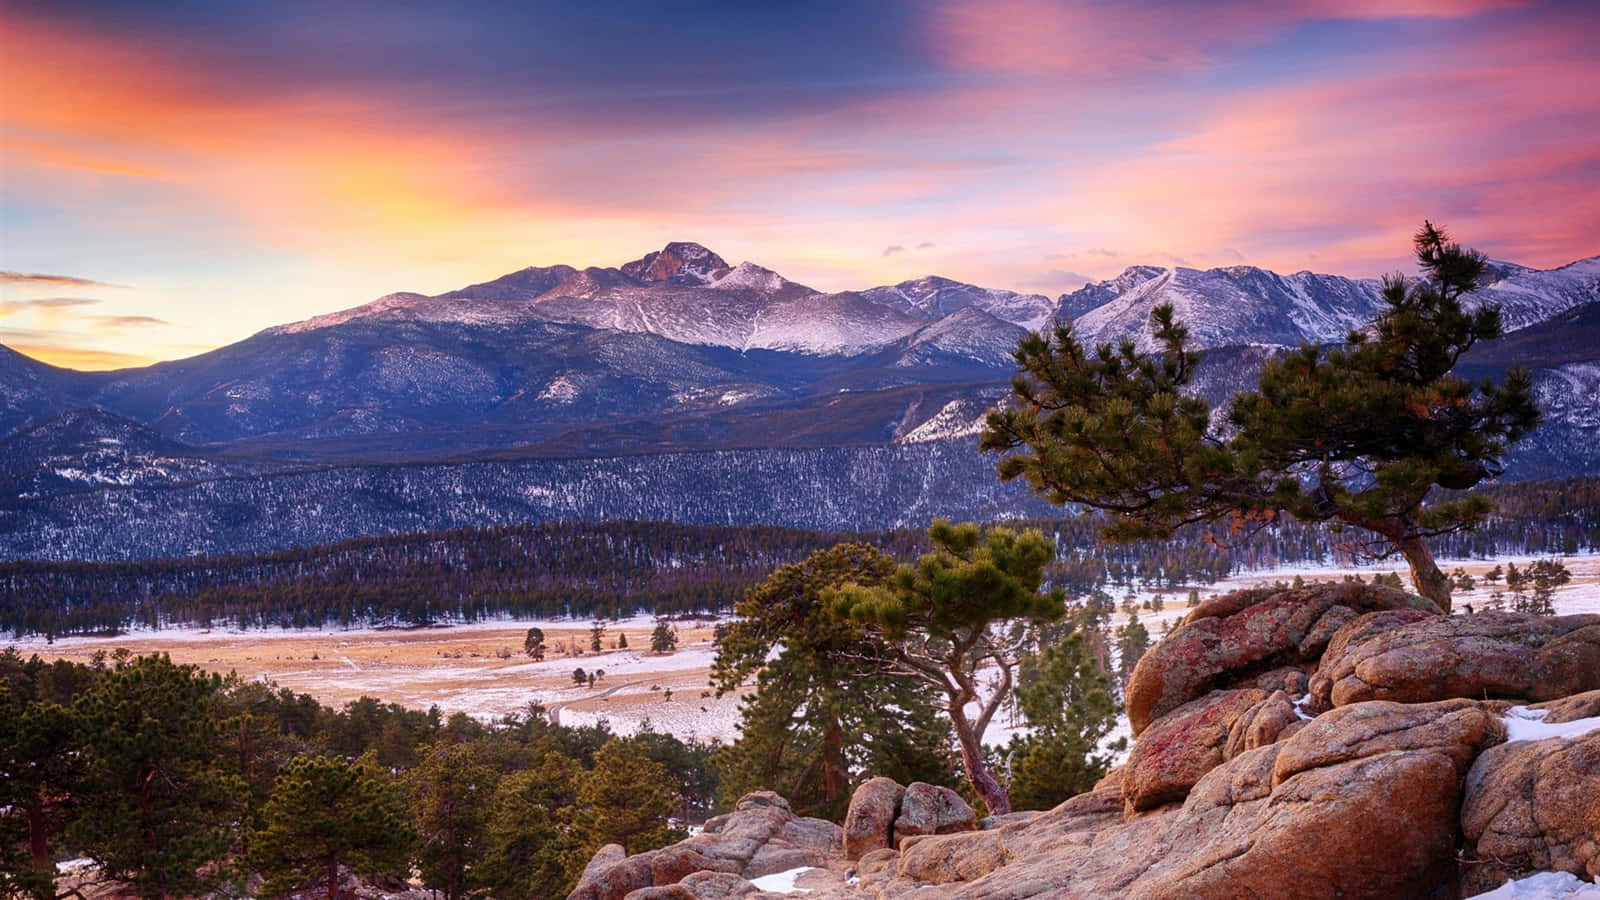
{"type": "Point", "coordinates": [252, 742]}
{"type": "Point", "coordinates": [1133, 639]}
{"type": "Point", "coordinates": [1358, 435]}
{"type": "Point", "coordinates": [40, 766]}
{"type": "Point", "coordinates": [325, 813]}
{"type": "Point", "coordinates": [533, 644]}
{"type": "Point", "coordinates": [1544, 576]}
{"type": "Point", "coordinates": [1066, 696]}
{"type": "Point", "coordinates": [825, 709]}
{"type": "Point", "coordinates": [450, 794]}
{"type": "Point", "coordinates": [531, 850]}
{"type": "Point", "coordinates": [626, 799]}
{"type": "Point", "coordinates": [597, 633]}
{"type": "Point", "coordinates": [155, 804]}
{"type": "Point", "coordinates": [953, 619]}
{"type": "Point", "coordinates": [663, 638]}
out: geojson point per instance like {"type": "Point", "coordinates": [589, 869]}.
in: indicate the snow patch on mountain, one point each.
{"type": "Point", "coordinates": [956, 419]}
{"type": "Point", "coordinates": [935, 297]}
{"type": "Point", "coordinates": [1527, 296]}
{"type": "Point", "coordinates": [1236, 305]}
{"type": "Point", "coordinates": [1567, 393]}
{"type": "Point", "coordinates": [747, 276]}
{"type": "Point", "coordinates": [563, 389]}
{"type": "Point", "coordinates": [968, 335]}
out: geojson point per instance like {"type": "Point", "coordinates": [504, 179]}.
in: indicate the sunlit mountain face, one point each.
{"type": "Point", "coordinates": [179, 176]}
{"type": "Point", "coordinates": [675, 386]}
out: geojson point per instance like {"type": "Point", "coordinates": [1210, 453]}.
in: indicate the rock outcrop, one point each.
{"type": "Point", "coordinates": [760, 837]}
{"type": "Point", "coordinates": [1402, 785]}
{"type": "Point", "coordinates": [1498, 654]}
{"type": "Point", "coordinates": [869, 823]}
{"type": "Point", "coordinates": [1363, 804]}
{"type": "Point", "coordinates": [1233, 639]}
{"type": "Point", "coordinates": [1533, 806]}
{"type": "Point", "coordinates": [929, 809]}
{"type": "Point", "coordinates": [1182, 746]}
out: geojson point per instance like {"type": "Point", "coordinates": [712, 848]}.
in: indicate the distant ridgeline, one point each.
{"type": "Point", "coordinates": [585, 570]}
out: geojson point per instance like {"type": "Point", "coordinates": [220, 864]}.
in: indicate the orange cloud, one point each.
{"type": "Point", "coordinates": [82, 358]}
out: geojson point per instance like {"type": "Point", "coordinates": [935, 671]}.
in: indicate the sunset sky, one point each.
{"type": "Point", "coordinates": [175, 176]}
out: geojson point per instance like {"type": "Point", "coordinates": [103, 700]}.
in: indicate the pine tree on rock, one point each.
{"type": "Point", "coordinates": [956, 620]}
{"type": "Point", "coordinates": [821, 715]}
{"type": "Point", "coordinates": [327, 813]}
{"type": "Point", "coordinates": [1358, 435]}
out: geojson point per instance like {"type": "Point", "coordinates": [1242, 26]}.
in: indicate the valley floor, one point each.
{"type": "Point", "coordinates": [480, 669]}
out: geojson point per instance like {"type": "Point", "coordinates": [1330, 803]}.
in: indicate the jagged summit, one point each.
{"type": "Point", "coordinates": [934, 296]}
{"type": "Point", "coordinates": [679, 262]}
{"type": "Point", "coordinates": [689, 294]}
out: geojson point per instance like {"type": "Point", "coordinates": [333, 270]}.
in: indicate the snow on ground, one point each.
{"type": "Point", "coordinates": [1544, 886]}
{"type": "Point", "coordinates": [79, 864]}
{"type": "Point", "coordinates": [686, 714]}
{"type": "Point", "coordinates": [1524, 724]}
{"type": "Point", "coordinates": [199, 634]}
{"type": "Point", "coordinates": [464, 667]}
{"type": "Point", "coordinates": [625, 663]}
{"type": "Point", "coordinates": [1581, 596]}
{"type": "Point", "coordinates": [782, 882]}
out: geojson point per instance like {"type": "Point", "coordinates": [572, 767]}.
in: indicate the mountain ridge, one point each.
{"type": "Point", "coordinates": [589, 385]}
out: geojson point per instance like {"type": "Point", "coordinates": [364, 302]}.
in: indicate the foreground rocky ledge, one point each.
{"type": "Point", "coordinates": [1402, 785]}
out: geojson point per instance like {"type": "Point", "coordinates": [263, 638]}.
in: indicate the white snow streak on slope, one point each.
{"type": "Point", "coordinates": [1544, 886]}
{"type": "Point", "coordinates": [782, 882]}
{"type": "Point", "coordinates": [1524, 724]}
{"type": "Point", "coordinates": [957, 419]}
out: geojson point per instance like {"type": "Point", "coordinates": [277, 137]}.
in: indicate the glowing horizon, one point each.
{"type": "Point", "coordinates": [175, 177]}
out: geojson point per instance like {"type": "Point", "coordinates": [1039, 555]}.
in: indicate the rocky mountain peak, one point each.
{"type": "Point", "coordinates": [679, 262]}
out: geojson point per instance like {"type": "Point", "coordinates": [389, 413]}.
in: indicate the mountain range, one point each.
{"type": "Point", "coordinates": [667, 370]}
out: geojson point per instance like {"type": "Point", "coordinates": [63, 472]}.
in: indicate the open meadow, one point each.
{"type": "Point", "coordinates": [480, 668]}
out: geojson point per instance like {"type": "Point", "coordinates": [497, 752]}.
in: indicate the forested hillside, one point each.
{"type": "Point", "coordinates": [617, 568]}
{"type": "Point", "coordinates": [256, 779]}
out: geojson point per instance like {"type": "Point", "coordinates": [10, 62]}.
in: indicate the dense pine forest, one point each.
{"type": "Point", "coordinates": [584, 570]}
{"type": "Point", "coordinates": [177, 782]}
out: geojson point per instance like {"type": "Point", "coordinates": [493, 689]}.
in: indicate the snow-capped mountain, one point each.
{"type": "Point", "coordinates": [968, 335]}
{"type": "Point", "coordinates": [935, 297]}
{"type": "Point", "coordinates": [643, 378]}
{"type": "Point", "coordinates": [1528, 296]}
{"type": "Point", "coordinates": [1248, 305]}
{"type": "Point", "coordinates": [680, 262]}
{"type": "Point", "coordinates": [1237, 305]}
{"type": "Point", "coordinates": [687, 293]}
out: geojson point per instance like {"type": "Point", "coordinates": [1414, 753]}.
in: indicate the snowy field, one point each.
{"type": "Point", "coordinates": [479, 668]}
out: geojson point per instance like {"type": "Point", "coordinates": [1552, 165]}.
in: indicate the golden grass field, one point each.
{"type": "Point", "coordinates": [480, 668]}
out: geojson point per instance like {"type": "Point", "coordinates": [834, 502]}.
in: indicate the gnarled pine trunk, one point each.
{"type": "Point", "coordinates": [994, 796]}
{"type": "Point", "coordinates": [1401, 532]}
{"type": "Point", "coordinates": [1425, 574]}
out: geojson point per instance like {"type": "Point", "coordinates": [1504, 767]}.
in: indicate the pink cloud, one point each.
{"type": "Point", "coordinates": [1095, 39]}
